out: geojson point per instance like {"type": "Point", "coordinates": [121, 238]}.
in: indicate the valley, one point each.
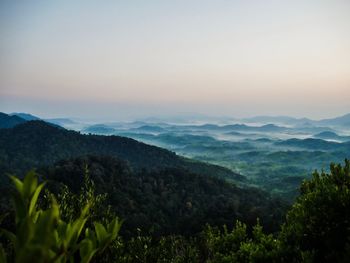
{"type": "Point", "coordinates": [275, 154]}
{"type": "Point", "coordinates": [178, 189]}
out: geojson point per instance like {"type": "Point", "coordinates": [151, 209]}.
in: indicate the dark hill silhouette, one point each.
{"type": "Point", "coordinates": [37, 143]}
{"type": "Point", "coordinates": [25, 116]}
{"type": "Point", "coordinates": [8, 121]}
{"type": "Point", "coordinates": [331, 136]}
{"type": "Point", "coordinates": [169, 201]}
{"type": "Point", "coordinates": [338, 121]}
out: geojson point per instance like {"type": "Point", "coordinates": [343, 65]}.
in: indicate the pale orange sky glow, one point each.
{"type": "Point", "coordinates": [140, 58]}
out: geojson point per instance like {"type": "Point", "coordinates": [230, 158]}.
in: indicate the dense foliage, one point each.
{"type": "Point", "coordinates": [318, 224]}
{"type": "Point", "coordinates": [317, 229]}
{"type": "Point", "coordinates": [268, 156]}
{"type": "Point", "coordinates": [166, 201]}
{"type": "Point", "coordinates": [172, 210]}
{"type": "Point", "coordinates": [8, 121]}
{"type": "Point", "coordinates": [42, 236]}
{"type": "Point", "coordinates": [37, 143]}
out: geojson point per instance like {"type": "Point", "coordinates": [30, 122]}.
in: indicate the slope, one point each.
{"type": "Point", "coordinates": [8, 121]}
{"type": "Point", "coordinates": [37, 143]}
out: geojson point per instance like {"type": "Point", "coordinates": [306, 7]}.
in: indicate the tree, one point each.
{"type": "Point", "coordinates": [318, 224]}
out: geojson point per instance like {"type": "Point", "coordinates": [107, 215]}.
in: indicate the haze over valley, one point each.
{"type": "Point", "coordinates": [269, 152]}
{"type": "Point", "coordinates": [187, 131]}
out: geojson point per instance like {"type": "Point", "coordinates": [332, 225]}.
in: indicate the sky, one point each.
{"type": "Point", "coordinates": [130, 59]}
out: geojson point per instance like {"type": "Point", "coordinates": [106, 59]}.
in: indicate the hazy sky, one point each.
{"type": "Point", "coordinates": [117, 59]}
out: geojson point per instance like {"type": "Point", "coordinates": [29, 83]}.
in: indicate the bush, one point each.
{"type": "Point", "coordinates": [317, 229]}
{"type": "Point", "coordinates": [42, 235]}
{"type": "Point", "coordinates": [318, 225]}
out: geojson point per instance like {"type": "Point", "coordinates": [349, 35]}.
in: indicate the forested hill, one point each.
{"type": "Point", "coordinates": [8, 121]}
{"type": "Point", "coordinates": [169, 201]}
{"type": "Point", "coordinates": [171, 195]}
{"type": "Point", "coordinates": [37, 143]}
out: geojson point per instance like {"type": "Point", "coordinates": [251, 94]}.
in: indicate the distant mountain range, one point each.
{"type": "Point", "coordinates": [60, 121]}
{"type": "Point", "coordinates": [276, 119]}
{"type": "Point", "coordinates": [315, 144]}
{"type": "Point", "coordinates": [327, 135]}
{"type": "Point", "coordinates": [262, 152]}
{"type": "Point", "coordinates": [25, 116]}
{"type": "Point", "coordinates": [343, 121]}
{"type": "Point", "coordinates": [149, 187]}
{"type": "Point", "coordinates": [267, 123]}
{"type": "Point", "coordinates": [8, 121]}
{"type": "Point", "coordinates": [338, 121]}
{"type": "Point", "coordinates": [99, 129]}
{"type": "Point", "coordinates": [305, 125]}
{"type": "Point", "coordinates": [36, 143]}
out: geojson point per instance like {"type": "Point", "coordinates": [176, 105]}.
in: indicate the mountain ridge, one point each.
{"type": "Point", "coordinates": [9, 121]}
{"type": "Point", "coordinates": [38, 140]}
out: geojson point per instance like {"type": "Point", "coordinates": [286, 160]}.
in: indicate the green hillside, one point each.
{"type": "Point", "coordinates": [37, 143]}
{"type": "Point", "coordinates": [8, 121]}
{"type": "Point", "coordinates": [169, 201]}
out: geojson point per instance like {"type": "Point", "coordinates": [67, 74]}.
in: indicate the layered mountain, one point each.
{"type": "Point", "coordinates": [9, 121]}
{"type": "Point", "coordinates": [327, 135]}
{"type": "Point", "coordinates": [99, 129]}
{"type": "Point", "coordinates": [341, 121]}
{"type": "Point", "coordinates": [36, 143]}
{"type": "Point", "coordinates": [63, 122]}
{"type": "Point", "coordinates": [276, 119]}
{"type": "Point", "coordinates": [149, 187]}
{"type": "Point", "coordinates": [25, 116]}
{"type": "Point", "coordinates": [338, 121]}
{"type": "Point", "coordinates": [315, 144]}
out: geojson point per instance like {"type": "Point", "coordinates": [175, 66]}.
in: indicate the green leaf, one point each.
{"type": "Point", "coordinates": [20, 207]}
{"type": "Point", "coordinates": [90, 235]}
{"type": "Point", "coordinates": [30, 183]}
{"type": "Point", "coordinates": [35, 198]}
{"type": "Point", "coordinates": [87, 257]}
{"type": "Point", "coordinates": [85, 210]}
{"type": "Point", "coordinates": [76, 229]}
{"type": "Point", "coordinates": [24, 232]}
{"type": "Point", "coordinates": [45, 224]}
{"type": "Point", "coordinates": [18, 184]}
{"type": "Point", "coordinates": [101, 232]}
{"type": "Point", "coordinates": [86, 247]}
{"type": "Point", "coordinates": [41, 235]}
{"type": "Point", "coordinates": [113, 228]}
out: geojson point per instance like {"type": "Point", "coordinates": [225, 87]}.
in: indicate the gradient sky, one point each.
{"type": "Point", "coordinates": [127, 59]}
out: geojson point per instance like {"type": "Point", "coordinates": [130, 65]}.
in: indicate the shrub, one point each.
{"type": "Point", "coordinates": [42, 235]}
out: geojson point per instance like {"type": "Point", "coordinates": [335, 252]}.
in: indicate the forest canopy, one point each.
{"type": "Point", "coordinates": [317, 229]}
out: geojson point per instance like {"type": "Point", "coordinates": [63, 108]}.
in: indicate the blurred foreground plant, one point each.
{"type": "Point", "coordinates": [42, 235]}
